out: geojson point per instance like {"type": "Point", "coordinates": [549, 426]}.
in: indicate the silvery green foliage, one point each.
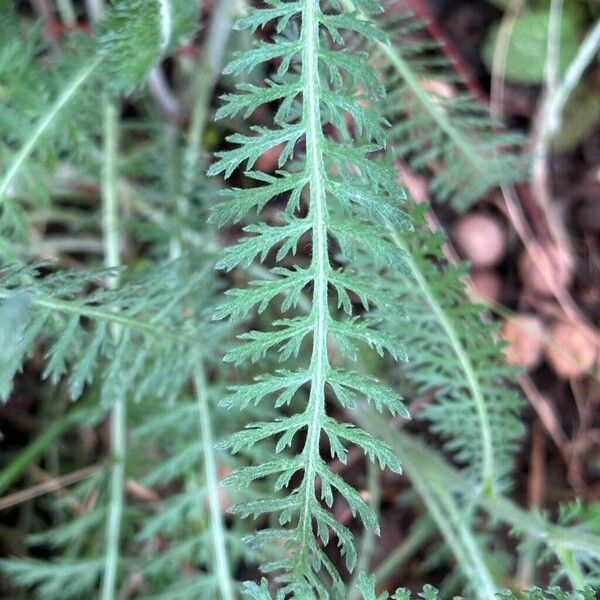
{"type": "Point", "coordinates": [35, 83]}
{"type": "Point", "coordinates": [34, 80]}
{"type": "Point", "coordinates": [253, 591]}
{"type": "Point", "coordinates": [164, 452]}
{"type": "Point", "coordinates": [73, 315]}
{"type": "Point", "coordinates": [58, 579]}
{"type": "Point", "coordinates": [456, 352]}
{"type": "Point", "coordinates": [326, 169]}
{"type": "Point", "coordinates": [136, 34]}
{"type": "Point", "coordinates": [181, 519]}
{"type": "Point", "coordinates": [551, 593]}
{"type": "Point", "coordinates": [152, 353]}
{"type": "Point", "coordinates": [339, 198]}
{"type": "Point", "coordinates": [584, 519]}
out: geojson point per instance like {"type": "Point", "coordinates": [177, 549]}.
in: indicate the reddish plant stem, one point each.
{"type": "Point", "coordinates": [56, 28]}
{"type": "Point", "coordinates": [422, 9]}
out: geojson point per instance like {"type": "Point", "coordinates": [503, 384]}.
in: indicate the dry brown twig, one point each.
{"type": "Point", "coordinates": [49, 485]}
{"type": "Point", "coordinates": [537, 251]}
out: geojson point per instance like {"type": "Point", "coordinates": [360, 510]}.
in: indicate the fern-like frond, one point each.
{"type": "Point", "coordinates": [573, 567]}
{"type": "Point", "coordinates": [346, 192]}
{"type": "Point", "coordinates": [33, 126]}
{"type": "Point", "coordinates": [182, 520]}
{"type": "Point", "coordinates": [169, 541]}
{"type": "Point", "coordinates": [252, 591]}
{"type": "Point", "coordinates": [366, 586]}
{"type": "Point", "coordinates": [152, 355]}
{"type": "Point", "coordinates": [136, 34]}
{"type": "Point", "coordinates": [454, 352]}
{"type": "Point", "coordinates": [70, 577]}
{"type": "Point", "coordinates": [575, 547]}
{"type": "Point", "coordinates": [436, 121]}
{"type": "Point", "coordinates": [59, 579]}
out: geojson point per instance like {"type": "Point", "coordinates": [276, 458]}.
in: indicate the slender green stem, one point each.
{"type": "Point", "coordinates": [475, 567]}
{"type": "Point", "coordinates": [45, 122]}
{"type": "Point", "coordinates": [571, 568]}
{"type": "Point", "coordinates": [544, 128]}
{"type": "Point", "coordinates": [117, 486]}
{"type": "Point", "coordinates": [95, 9]}
{"type": "Point", "coordinates": [110, 206]}
{"type": "Point", "coordinates": [470, 372]}
{"type": "Point", "coordinates": [221, 560]}
{"type": "Point", "coordinates": [368, 538]}
{"type": "Point", "coordinates": [442, 507]}
{"type": "Point", "coordinates": [443, 510]}
{"type": "Point", "coordinates": [74, 307]}
{"type": "Point", "coordinates": [219, 30]}
{"type": "Point", "coordinates": [554, 27]}
{"type": "Point", "coordinates": [166, 23]}
{"type": "Point", "coordinates": [118, 414]}
{"type": "Point", "coordinates": [311, 84]}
